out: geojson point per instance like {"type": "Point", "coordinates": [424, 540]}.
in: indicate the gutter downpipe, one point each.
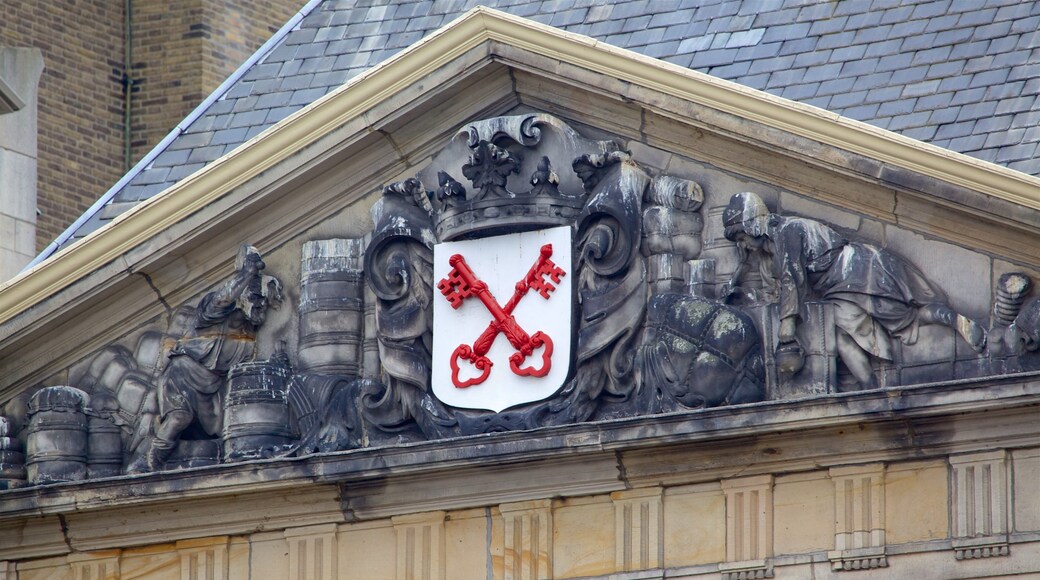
{"type": "Point", "coordinates": [176, 132]}
{"type": "Point", "coordinates": [128, 79]}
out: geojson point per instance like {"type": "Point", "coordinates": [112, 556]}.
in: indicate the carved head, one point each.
{"type": "Point", "coordinates": [249, 259]}
{"type": "Point", "coordinates": [745, 213]}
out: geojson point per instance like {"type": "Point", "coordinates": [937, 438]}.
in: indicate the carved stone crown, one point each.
{"type": "Point", "coordinates": [501, 153]}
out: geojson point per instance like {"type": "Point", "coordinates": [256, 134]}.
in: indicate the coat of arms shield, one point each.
{"type": "Point", "coordinates": [502, 319]}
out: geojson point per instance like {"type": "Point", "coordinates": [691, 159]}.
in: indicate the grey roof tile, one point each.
{"type": "Point", "coordinates": [783, 16]}
{"type": "Point", "coordinates": [873, 81]}
{"type": "Point", "coordinates": [964, 74]}
{"type": "Point", "coordinates": [943, 116]}
{"type": "Point", "coordinates": [849, 99]}
{"type": "Point", "coordinates": [932, 55]}
{"type": "Point", "coordinates": [800, 92]}
{"type": "Point", "coordinates": [954, 130]}
{"type": "Point", "coordinates": [229, 136]}
{"type": "Point", "coordinates": [967, 97]}
{"type": "Point", "coordinates": [893, 108]}
{"type": "Point", "coordinates": [991, 124]}
{"type": "Point", "coordinates": [968, 144]}
{"type": "Point", "coordinates": [786, 31]}
{"type": "Point", "coordinates": [975, 110]}
{"type": "Point", "coordinates": [873, 34]}
{"type": "Point", "coordinates": [896, 14]}
{"type": "Point", "coordinates": [864, 19]}
{"type": "Point", "coordinates": [1029, 120]}
{"type": "Point", "coordinates": [889, 94]}
{"type": "Point", "coordinates": [821, 73]}
{"type": "Point", "coordinates": [191, 141]}
{"type": "Point", "coordinates": [800, 46]}
{"type": "Point", "coordinates": [988, 78]}
{"type": "Point", "coordinates": [836, 40]}
{"type": "Point", "coordinates": [279, 113]}
{"type": "Point", "coordinates": [921, 133]}
{"type": "Point", "coordinates": [760, 51]}
{"type": "Point", "coordinates": [835, 86]}
{"type": "Point", "coordinates": [206, 154]}
{"type": "Point", "coordinates": [828, 25]}
{"type": "Point", "coordinates": [713, 58]}
{"type": "Point", "coordinates": [995, 30]}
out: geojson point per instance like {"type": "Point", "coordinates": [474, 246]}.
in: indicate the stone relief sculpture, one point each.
{"type": "Point", "coordinates": [192, 385]}
{"type": "Point", "coordinates": [876, 295]}
{"type": "Point", "coordinates": [642, 329]}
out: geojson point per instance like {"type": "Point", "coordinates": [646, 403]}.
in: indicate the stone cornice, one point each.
{"type": "Point", "coordinates": [772, 437]}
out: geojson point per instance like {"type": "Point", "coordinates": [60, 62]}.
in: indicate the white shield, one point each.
{"type": "Point", "coordinates": [460, 377]}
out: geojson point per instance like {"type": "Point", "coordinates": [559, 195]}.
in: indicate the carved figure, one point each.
{"type": "Point", "coordinates": [192, 385]}
{"type": "Point", "coordinates": [876, 294]}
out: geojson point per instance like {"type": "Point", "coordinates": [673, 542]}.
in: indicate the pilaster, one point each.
{"type": "Point", "coordinates": [100, 565]}
{"type": "Point", "coordinates": [639, 529]}
{"type": "Point", "coordinates": [749, 528]}
{"type": "Point", "coordinates": [420, 546]}
{"type": "Point", "coordinates": [204, 559]}
{"type": "Point", "coordinates": [859, 513]}
{"type": "Point", "coordinates": [312, 552]}
{"type": "Point", "coordinates": [979, 498]}
{"type": "Point", "coordinates": [528, 540]}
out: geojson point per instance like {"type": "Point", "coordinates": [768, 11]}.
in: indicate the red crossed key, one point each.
{"type": "Point", "coordinates": [462, 283]}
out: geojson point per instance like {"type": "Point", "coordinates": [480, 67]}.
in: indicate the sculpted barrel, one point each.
{"type": "Point", "coordinates": [256, 419]}
{"type": "Point", "coordinates": [331, 307]}
{"type": "Point", "coordinates": [57, 442]}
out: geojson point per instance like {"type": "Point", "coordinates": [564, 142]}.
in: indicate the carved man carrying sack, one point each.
{"type": "Point", "coordinates": [191, 387]}
{"type": "Point", "coordinates": [875, 294]}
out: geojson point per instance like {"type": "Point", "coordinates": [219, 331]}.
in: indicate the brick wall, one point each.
{"type": "Point", "coordinates": [80, 121]}
{"type": "Point", "coordinates": [183, 49]}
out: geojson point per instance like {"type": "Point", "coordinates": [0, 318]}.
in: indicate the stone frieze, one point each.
{"type": "Point", "coordinates": [460, 314]}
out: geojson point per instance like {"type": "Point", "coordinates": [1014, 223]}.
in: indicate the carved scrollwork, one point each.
{"type": "Point", "coordinates": [399, 269]}
{"type": "Point", "coordinates": [611, 272]}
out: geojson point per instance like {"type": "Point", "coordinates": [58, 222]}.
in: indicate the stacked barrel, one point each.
{"type": "Point", "coordinates": [57, 443]}
{"type": "Point", "coordinates": [12, 459]}
{"type": "Point", "coordinates": [257, 423]}
{"type": "Point", "coordinates": [331, 307]}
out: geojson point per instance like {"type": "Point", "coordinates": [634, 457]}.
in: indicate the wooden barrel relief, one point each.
{"type": "Point", "coordinates": [256, 416]}
{"type": "Point", "coordinates": [12, 459]}
{"type": "Point", "coordinates": [57, 443]}
{"type": "Point", "coordinates": [331, 307]}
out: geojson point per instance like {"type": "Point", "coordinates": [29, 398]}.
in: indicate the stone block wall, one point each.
{"type": "Point", "coordinates": [906, 519]}
{"type": "Point", "coordinates": [20, 71]}
{"type": "Point", "coordinates": [178, 60]}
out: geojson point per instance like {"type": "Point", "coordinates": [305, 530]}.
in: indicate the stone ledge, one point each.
{"type": "Point", "coordinates": [911, 422]}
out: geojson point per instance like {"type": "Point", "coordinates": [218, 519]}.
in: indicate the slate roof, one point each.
{"type": "Point", "coordinates": [960, 74]}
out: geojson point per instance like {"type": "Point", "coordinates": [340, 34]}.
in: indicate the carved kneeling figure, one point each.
{"type": "Point", "coordinates": [876, 294]}
{"type": "Point", "coordinates": [192, 386]}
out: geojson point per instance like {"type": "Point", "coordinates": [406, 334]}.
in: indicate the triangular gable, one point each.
{"type": "Point", "coordinates": [640, 141]}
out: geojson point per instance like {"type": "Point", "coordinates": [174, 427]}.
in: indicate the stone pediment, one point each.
{"type": "Point", "coordinates": [862, 266]}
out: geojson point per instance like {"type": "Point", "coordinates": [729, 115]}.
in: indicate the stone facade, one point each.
{"type": "Point", "coordinates": [20, 72]}
{"type": "Point", "coordinates": [178, 60]}
{"type": "Point", "coordinates": [274, 406]}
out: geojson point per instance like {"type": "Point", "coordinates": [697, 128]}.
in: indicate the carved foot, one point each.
{"type": "Point", "coordinates": [151, 456]}
{"type": "Point", "coordinates": [972, 332]}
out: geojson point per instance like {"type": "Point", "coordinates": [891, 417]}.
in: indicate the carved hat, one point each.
{"type": "Point", "coordinates": [747, 213]}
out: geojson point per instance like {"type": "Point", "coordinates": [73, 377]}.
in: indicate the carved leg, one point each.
{"type": "Point", "coordinates": [972, 332]}
{"type": "Point", "coordinates": [151, 455]}
{"type": "Point", "coordinates": [856, 359]}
